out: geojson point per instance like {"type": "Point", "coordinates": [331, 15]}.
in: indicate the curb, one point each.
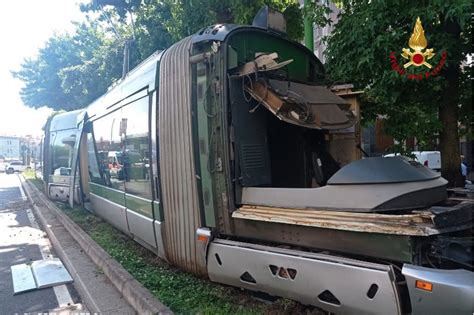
{"type": "Point", "coordinates": [134, 293]}
{"type": "Point", "coordinates": [78, 283]}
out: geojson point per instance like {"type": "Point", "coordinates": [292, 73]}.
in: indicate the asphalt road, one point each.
{"type": "Point", "coordinates": [21, 241]}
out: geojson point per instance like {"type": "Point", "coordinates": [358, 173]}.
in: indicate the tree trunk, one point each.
{"type": "Point", "coordinates": [449, 140]}
{"type": "Point", "coordinates": [448, 115]}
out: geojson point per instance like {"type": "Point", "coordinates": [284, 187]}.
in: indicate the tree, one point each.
{"type": "Point", "coordinates": [41, 75]}
{"type": "Point", "coordinates": [100, 65]}
{"type": "Point", "coordinates": [151, 32]}
{"type": "Point", "coordinates": [188, 16]}
{"type": "Point", "coordinates": [359, 51]}
{"type": "Point", "coordinates": [148, 28]}
{"type": "Point", "coordinates": [71, 71]}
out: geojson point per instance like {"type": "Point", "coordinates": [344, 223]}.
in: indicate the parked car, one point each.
{"type": "Point", "coordinates": [14, 166]}
{"type": "Point", "coordinates": [2, 166]}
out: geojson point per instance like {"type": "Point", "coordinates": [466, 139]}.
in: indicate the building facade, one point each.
{"type": "Point", "coordinates": [320, 33]}
{"type": "Point", "coordinates": [9, 147]}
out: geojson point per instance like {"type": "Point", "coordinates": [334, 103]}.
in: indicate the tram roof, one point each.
{"type": "Point", "coordinates": [142, 77]}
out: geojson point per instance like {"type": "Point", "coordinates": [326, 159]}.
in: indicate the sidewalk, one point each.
{"type": "Point", "coordinates": [23, 241]}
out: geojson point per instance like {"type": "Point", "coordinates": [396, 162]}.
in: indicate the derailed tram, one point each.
{"type": "Point", "coordinates": [213, 154]}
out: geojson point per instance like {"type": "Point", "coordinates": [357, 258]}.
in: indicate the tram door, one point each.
{"type": "Point", "coordinates": [75, 189]}
{"type": "Point", "coordinates": [115, 165]}
{"type": "Point", "coordinates": [136, 168]}
{"type": "Point", "coordinates": [81, 174]}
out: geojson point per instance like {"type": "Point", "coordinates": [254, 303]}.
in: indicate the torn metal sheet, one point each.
{"type": "Point", "coordinates": [50, 272]}
{"type": "Point", "coordinates": [304, 105]}
{"type": "Point", "coordinates": [312, 94]}
{"type": "Point", "coordinates": [23, 279]}
{"type": "Point", "coordinates": [39, 274]}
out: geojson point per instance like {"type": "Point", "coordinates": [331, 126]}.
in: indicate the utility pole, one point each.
{"type": "Point", "coordinates": [127, 42]}
{"type": "Point", "coordinates": [126, 57]}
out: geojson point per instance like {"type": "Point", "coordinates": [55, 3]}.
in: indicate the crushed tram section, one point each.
{"type": "Point", "coordinates": [214, 154]}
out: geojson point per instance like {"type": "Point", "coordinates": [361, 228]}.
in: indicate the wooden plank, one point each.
{"type": "Point", "coordinates": [418, 217]}
{"type": "Point", "coordinates": [421, 222]}
{"type": "Point", "coordinates": [371, 227]}
{"type": "Point", "coordinates": [312, 215]}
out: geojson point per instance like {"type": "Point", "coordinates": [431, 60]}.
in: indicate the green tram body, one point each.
{"type": "Point", "coordinates": [153, 157]}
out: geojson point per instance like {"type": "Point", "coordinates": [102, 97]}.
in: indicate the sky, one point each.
{"type": "Point", "coordinates": [25, 25]}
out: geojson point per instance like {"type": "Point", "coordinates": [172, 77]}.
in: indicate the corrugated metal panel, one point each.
{"type": "Point", "coordinates": [178, 181]}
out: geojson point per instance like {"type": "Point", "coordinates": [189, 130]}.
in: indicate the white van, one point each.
{"type": "Point", "coordinates": [430, 159]}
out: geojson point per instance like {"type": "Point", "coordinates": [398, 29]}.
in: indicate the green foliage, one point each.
{"type": "Point", "coordinates": [317, 13]}
{"type": "Point", "coordinates": [358, 52]}
{"type": "Point", "coordinates": [71, 70]}
{"type": "Point", "coordinates": [188, 16]}
{"type": "Point", "coordinates": [151, 31]}
{"type": "Point", "coordinates": [294, 22]}
{"type": "Point", "coordinates": [29, 173]}
{"type": "Point", "coordinates": [41, 75]}
{"type": "Point", "coordinates": [359, 49]}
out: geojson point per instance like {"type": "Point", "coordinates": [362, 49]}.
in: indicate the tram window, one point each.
{"type": "Point", "coordinates": [203, 88]}
{"type": "Point", "coordinates": [108, 143]}
{"type": "Point", "coordinates": [94, 172]}
{"type": "Point", "coordinates": [135, 155]}
{"type": "Point", "coordinates": [63, 144]}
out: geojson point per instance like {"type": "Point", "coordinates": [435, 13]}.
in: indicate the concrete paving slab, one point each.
{"type": "Point", "coordinates": [50, 272]}
{"type": "Point", "coordinates": [22, 278]}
